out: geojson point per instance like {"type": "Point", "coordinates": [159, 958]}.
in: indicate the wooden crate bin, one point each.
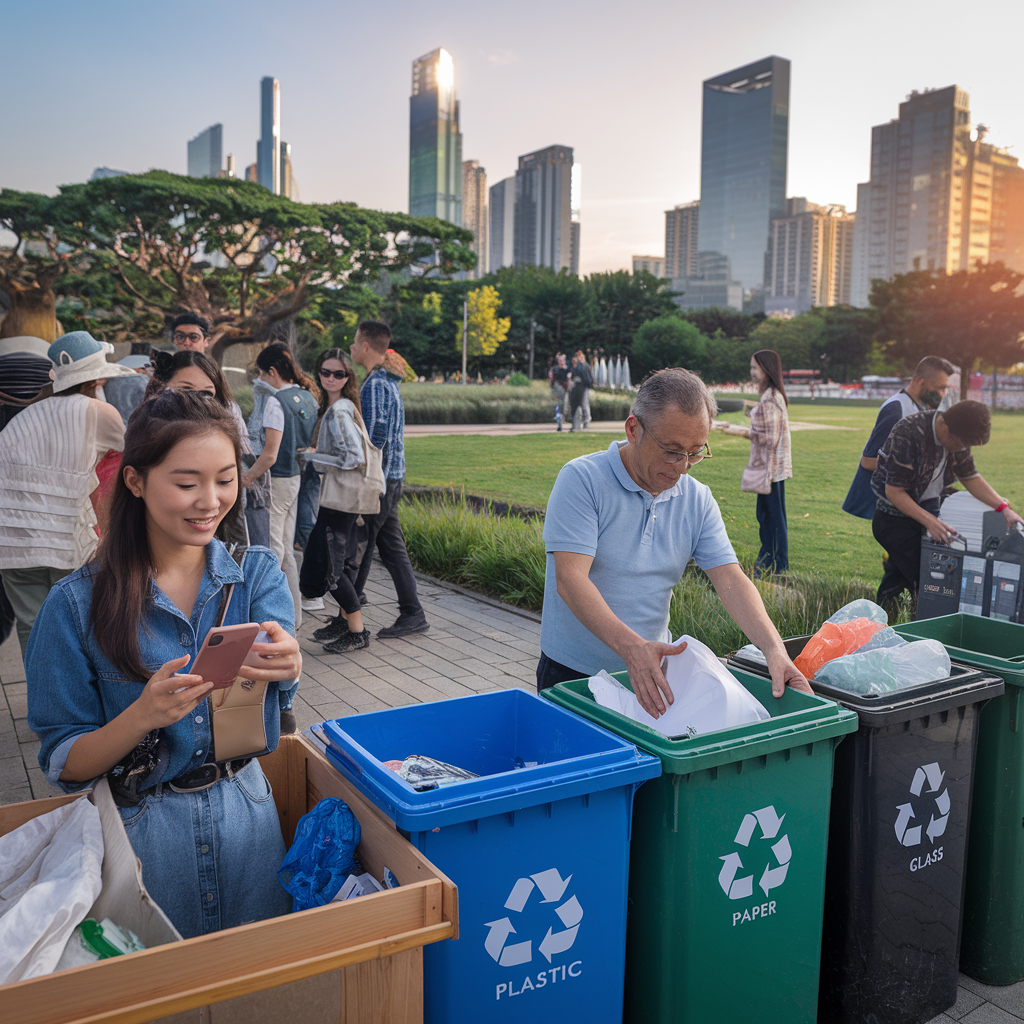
{"type": "Point", "coordinates": [357, 962]}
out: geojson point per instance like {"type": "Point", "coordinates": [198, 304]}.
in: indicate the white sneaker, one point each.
{"type": "Point", "coordinates": [312, 604]}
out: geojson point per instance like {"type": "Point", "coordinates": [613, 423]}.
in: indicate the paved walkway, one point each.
{"type": "Point", "coordinates": [472, 646]}
{"type": "Point", "coordinates": [511, 429]}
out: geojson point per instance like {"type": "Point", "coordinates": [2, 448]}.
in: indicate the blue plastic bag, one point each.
{"type": "Point", "coordinates": [322, 855]}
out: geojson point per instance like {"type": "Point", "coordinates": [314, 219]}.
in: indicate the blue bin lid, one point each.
{"type": "Point", "coordinates": [484, 734]}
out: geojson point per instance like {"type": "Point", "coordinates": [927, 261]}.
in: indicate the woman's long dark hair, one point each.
{"type": "Point", "coordinates": [167, 364]}
{"type": "Point", "coordinates": [278, 357]}
{"type": "Point", "coordinates": [351, 388]}
{"type": "Point", "coordinates": [769, 361]}
{"type": "Point", "coordinates": [122, 571]}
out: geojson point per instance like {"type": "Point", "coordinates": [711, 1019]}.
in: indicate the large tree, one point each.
{"type": "Point", "coordinates": [969, 317]}
{"type": "Point", "coordinates": [622, 302]}
{"type": "Point", "coordinates": [232, 251]}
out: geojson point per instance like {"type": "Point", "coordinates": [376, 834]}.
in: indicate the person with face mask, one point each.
{"type": "Point", "coordinates": [926, 390]}
{"type": "Point", "coordinates": [620, 528]}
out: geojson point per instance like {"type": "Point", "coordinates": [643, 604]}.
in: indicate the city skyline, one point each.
{"type": "Point", "coordinates": [349, 119]}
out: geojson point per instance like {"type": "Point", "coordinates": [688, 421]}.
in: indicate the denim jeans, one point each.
{"type": "Point", "coordinates": [210, 859]}
{"type": "Point", "coordinates": [284, 505]}
{"type": "Point", "coordinates": [771, 517]}
{"type": "Point", "coordinates": [385, 531]}
{"type": "Point", "coordinates": [309, 505]}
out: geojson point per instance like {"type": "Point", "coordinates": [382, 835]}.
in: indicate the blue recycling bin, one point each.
{"type": "Point", "coordinates": [540, 852]}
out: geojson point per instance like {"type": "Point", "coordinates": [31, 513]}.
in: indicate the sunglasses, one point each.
{"type": "Point", "coordinates": [336, 374]}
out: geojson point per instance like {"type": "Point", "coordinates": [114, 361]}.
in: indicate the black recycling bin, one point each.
{"type": "Point", "coordinates": [901, 806]}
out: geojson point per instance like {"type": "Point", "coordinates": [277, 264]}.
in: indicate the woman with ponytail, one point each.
{"type": "Point", "coordinates": [104, 696]}
{"type": "Point", "coordinates": [285, 428]}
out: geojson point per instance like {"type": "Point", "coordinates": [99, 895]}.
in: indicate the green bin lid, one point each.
{"type": "Point", "coordinates": [797, 719]}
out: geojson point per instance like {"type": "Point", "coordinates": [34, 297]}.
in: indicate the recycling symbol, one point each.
{"type": "Point", "coordinates": [552, 887]}
{"type": "Point", "coordinates": [933, 775]}
{"type": "Point", "coordinates": [742, 887]}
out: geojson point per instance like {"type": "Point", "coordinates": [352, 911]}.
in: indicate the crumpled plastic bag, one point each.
{"type": "Point", "coordinates": [842, 633]}
{"type": "Point", "coordinates": [50, 876]}
{"type": "Point", "coordinates": [707, 696]}
{"type": "Point", "coordinates": [421, 771]}
{"type": "Point", "coordinates": [882, 669]}
{"type": "Point", "coordinates": [322, 855]}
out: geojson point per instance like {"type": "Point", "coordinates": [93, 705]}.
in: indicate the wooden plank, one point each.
{"type": "Point", "coordinates": [285, 769]}
{"type": "Point", "coordinates": [388, 991]}
{"type": "Point", "coordinates": [142, 986]}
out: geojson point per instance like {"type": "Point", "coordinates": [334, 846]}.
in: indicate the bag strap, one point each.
{"type": "Point", "coordinates": [226, 594]}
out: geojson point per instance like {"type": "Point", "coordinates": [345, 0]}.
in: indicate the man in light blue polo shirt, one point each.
{"type": "Point", "coordinates": [620, 528]}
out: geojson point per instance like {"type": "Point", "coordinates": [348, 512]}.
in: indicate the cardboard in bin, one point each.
{"type": "Point", "coordinates": [347, 963]}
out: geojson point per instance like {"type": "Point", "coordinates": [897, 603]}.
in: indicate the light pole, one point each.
{"type": "Point", "coordinates": [533, 326]}
{"type": "Point", "coordinates": [465, 334]}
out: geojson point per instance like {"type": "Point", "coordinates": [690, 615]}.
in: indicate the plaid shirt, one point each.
{"type": "Point", "coordinates": [910, 458]}
{"type": "Point", "coordinates": [769, 431]}
{"type": "Point", "coordinates": [384, 416]}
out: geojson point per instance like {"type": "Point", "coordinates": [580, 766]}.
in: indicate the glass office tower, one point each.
{"type": "Point", "coordinates": [435, 142]}
{"type": "Point", "coordinates": [744, 142]}
{"type": "Point", "coordinates": [268, 146]}
{"type": "Point", "coordinates": [205, 153]}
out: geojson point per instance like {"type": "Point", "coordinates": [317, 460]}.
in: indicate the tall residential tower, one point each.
{"type": "Point", "coordinates": [268, 147]}
{"type": "Point", "coordinates": [474, 212]}
{"type": "Point", "coordinates": [435, 142]}
{"type": "Point", "coordinates": [544, 214]}
{"type": "Point", "coordinates": [744, 142]}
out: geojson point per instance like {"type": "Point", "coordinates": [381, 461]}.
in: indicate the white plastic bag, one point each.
{"type": "Point", "coordinates": [707, 696]}
{"type": "Point", "coordinates": [860, 609]}
{"type": "Point", "coordinates": [50, 875]}
{"type": "Point", "coordinates": [887, 668]}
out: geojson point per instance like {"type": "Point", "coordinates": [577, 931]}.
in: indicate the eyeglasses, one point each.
{"type": "Point", "coordinates": [336, 374]}
{"type": "Point", "coordinates": [673, 458]}
{"type": "Point", "coordinates": [180, 336]}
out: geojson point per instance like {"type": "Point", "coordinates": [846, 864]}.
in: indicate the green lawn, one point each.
{"type": "Point", "coordinates": [522, 469]}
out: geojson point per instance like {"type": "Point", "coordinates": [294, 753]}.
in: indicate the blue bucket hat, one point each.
{"type": "Point", "coordinates": [78, 357]}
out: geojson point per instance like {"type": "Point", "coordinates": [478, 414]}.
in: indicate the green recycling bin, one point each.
{"type": "Point", "coordinates": [727, 862]}
{"type": "Point", "coordinates": [992, 947]}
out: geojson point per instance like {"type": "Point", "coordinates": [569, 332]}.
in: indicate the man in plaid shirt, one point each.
{"type": "Point", "coordinates": [384, 416]}
{"type": "Point", "coordinates": [923, 455]}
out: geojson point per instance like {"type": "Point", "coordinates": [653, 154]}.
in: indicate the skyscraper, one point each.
{"type": "Point", "coordinates": [435, 142]}
{"type": "Point", "coordinates": [474, 211]}
{"type": "Point", "coordinates": [911, 214]}
{"type": "Point", "coordinates": [744, 144]}
{"type": "Point", "coordinates": [652, 264]}
{"type": "Point", "coordinates": [501, 224]}
{"type": "Point", "coordinates": [575, 198]}
{"type": "Point", "coordinates": [811, 255]}
{"type": "Point", "coordinates": [205, 153]}
{"type": "Point", "coordinates": [543, 224]}
{"type": "Point", "coordinates": [289, 187]}
{"type": "Point", "coordinates": [681, 240]}
{"type": "Point", "coordinates": [268, 148]}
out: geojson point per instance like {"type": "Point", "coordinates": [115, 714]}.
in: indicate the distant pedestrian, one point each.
{"type": "Point", "coordinates": [384, 415]}
{"type": "Point", "coordinates": [771, 462]}
{"type": "Point", "coordinates": [926, 390]}
{"type": "Point", "coordinates": [580, 382]}
{"type": "Point", "coordinates": [48, 458]}
{"type": "Point", "coordinates": [126, 394]}
{"type": "Point", "coordinates": [558, 379]}
{"type": "Point", "coordinates": [286, 425]}
{"type": "Point", "coordinates": [341, 443]}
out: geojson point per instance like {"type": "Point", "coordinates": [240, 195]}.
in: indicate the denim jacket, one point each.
{"type": "Point", "coordinates": [74, 689]}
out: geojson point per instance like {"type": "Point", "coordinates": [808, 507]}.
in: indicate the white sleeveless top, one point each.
{"type": "Point", "coordinates": [48, 458]}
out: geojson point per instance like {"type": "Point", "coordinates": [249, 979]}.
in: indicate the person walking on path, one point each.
{"type": "Point", "coordinates": [581, 381]}
{"type": "Point", "coordinates": [926, 390]}
{"type": "Point", "coordinates": [104, 695]}
{"type": "Point", "coordinates": [922, 456]}
{"type": "Point", "coordinates": [286, 426]}
{"type": "Point", "coordinates": [558, 379]}
{"type": "Point", "coordinates": [339, 450]}
{"type": "Point", "coordinates": [48, 458]}
{"type": "Point", "coordinates": [384, 415]}
{"type": "Point", "coordinates": [771, 459]}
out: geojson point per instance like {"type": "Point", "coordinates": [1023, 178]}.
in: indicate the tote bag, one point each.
{"type": "Point", "coordinates": [356, 490]}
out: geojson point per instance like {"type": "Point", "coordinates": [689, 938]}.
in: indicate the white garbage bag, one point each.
{"type": "Point", "coordinates": [862, 608]}
{"type": "Point", "coordinates": [707, 696]}
{"type": "Point", "coordinates": [50, 875]}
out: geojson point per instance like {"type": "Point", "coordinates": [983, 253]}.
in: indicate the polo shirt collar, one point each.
{"type": "Point", "coordinates": [622, 475]}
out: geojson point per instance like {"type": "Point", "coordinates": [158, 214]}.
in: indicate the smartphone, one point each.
{"type": "Point", "coordinates": [223, 653]}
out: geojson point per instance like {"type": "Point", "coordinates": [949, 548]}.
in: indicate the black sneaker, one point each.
{"type": "Point", "coordinates": [405, 626]}
{"type": "Point", "coordinates": [335, 628]}
{"type": "Point", "coordinates": [349, 642]}
{"type": "Point", "coordinates": [288, 723]}
{"type": "Point", "coordinates": [363, 600]}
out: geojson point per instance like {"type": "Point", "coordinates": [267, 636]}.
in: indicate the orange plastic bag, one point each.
{"type": "Point", "coordinates": [833, 640]}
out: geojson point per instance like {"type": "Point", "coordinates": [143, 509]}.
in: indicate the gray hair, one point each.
{"type": "Point", "coordinates": [673, 386]}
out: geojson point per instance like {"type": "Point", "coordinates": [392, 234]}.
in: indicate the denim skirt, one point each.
{"type": "Point", "coordinates": [210, 859]}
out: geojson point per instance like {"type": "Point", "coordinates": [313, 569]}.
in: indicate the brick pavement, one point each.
{"type": "Point", "coordinates": [473, 646]}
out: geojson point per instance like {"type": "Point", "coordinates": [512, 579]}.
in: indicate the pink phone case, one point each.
{"type": "Point", "coordinates": [223, 653]}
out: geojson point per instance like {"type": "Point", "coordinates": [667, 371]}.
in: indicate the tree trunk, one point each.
{"type": "Point", "coordinates": [33, 313]}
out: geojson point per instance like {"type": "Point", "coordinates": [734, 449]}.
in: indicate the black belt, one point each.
{"type": "Point", "coordinates": [207, 775]}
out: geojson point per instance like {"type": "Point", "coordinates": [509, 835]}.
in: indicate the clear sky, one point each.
{"type": "Point", "coordinates": [126, 84]}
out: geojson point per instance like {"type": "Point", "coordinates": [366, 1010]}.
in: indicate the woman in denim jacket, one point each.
{"type": "Point", "coordinates": [104, 697]}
